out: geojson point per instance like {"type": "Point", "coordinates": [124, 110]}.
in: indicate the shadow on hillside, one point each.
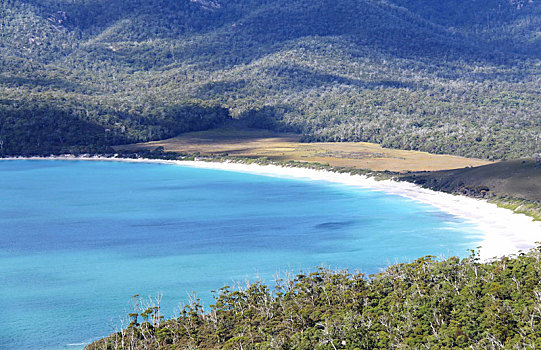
{"type": "Point", "coordinates": [234, 34]}
{"type": "Point", "coordinates": [305, 77]}
{"type": "Point", "coordinates": [519, 178]}
{"type": "Point", "coordinates": [46, 82]}
{"type": "Point", "coordinates": [267, 117]}
{"type": "Point", "coordinates": [45, 127]}
{"type": "Point", "coordinates": [45, 130]}
{"type": "Point", "coordinates": [295, 77]}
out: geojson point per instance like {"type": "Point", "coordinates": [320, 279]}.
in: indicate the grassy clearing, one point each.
{"type": "Point", "coordinates": [235, 141]}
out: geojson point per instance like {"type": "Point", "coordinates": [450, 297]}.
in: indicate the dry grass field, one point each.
{"type": "Point", "coordinates": [238, 141]}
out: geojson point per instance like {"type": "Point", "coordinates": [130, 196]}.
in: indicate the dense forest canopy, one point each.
{"type": "Point", "coordinates": [457, 76]}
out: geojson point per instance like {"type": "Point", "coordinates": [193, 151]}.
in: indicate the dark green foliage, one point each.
{"type": "Point", "coordinates": [448, 304]}
{"type": "Point", "coordinates": [456, 76]}
{"type": "Point", "coordinates": [44, 127]}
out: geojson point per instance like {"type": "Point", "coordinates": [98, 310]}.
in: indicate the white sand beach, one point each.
{"type": "Point", "coordinates": [505, 232]}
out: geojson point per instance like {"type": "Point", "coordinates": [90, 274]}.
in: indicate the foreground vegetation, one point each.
{"type": "Point", "coordinates": [428, 303]}
{"type": "Point", "coordinates": [82, 75]}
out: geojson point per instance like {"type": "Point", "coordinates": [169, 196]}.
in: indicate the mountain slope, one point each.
{"type": "Point", "coordinates": [401, 73]}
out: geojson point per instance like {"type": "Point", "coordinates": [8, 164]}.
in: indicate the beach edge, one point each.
{"type": "Point", "coordinates": [504, 232]}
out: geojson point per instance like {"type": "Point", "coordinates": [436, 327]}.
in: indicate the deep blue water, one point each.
{"type": "Point", "coordinates": [79, 238]}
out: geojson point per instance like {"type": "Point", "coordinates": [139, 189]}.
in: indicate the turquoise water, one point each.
{"type": "Point", "coordinates": [79, 238]}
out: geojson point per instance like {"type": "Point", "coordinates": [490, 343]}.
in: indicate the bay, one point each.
{"type": "Point", "coordinates": [79, 238]}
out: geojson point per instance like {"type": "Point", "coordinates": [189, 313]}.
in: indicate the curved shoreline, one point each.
{"type": "Point", "coordinates": [504, 232]}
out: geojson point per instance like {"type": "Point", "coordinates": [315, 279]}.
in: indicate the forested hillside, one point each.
{"type": "Point", "coordinates": [458, 76]}
{"type": "Point", "coordinates": [425, 304]}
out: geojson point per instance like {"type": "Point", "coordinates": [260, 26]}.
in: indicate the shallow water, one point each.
{"type": "Point", "coordinates": [79, 238]}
